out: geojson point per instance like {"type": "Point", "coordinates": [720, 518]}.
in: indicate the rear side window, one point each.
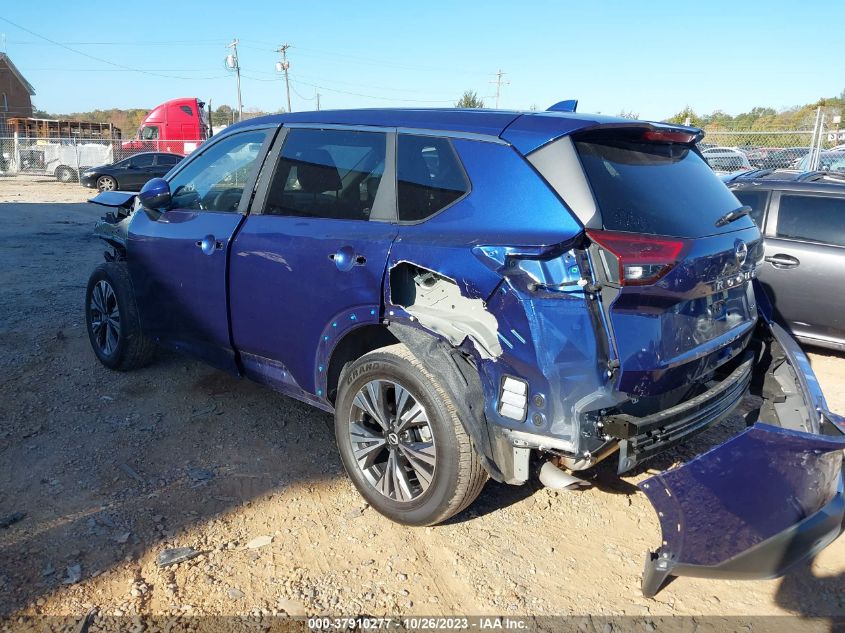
{"type": "Point", "coordinates": [142, 160]}
{"type": "Point", "coordinates": [328, 174]}
{"type": "Point", "coordinates": [812, 218]}
{"type": "Point", "coordinates": [657, 188]}
{"type": "Point", "coordinates": [429, 176]}
{"type": "Point", "coordinates": [168, 160]}
{"type": "Point", "coordinates": [757, 201]}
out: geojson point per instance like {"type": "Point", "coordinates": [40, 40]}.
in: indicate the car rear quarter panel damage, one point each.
{"type": "Point", "coordinates": [513, 301]}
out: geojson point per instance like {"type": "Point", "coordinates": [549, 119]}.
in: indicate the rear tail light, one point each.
{"type": "Point", "coordinates": [635, 259]}
{"type": "Point", "coordinates": [669, 136]}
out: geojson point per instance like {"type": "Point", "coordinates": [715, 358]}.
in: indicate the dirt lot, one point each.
{"type": "Point", "coordinates": [110, 469]}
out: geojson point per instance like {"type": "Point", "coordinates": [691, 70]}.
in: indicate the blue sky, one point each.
{"type": "Point", "coordinates": [652, 58]}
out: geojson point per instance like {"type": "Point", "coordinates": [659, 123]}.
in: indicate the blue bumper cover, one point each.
{"type": "Point", "coordinates": [753, 507]}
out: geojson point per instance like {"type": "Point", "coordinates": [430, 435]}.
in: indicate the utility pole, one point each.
{"type": "Point", "coordinates": [283, 66]}
{"type": "Point", "coordinates": [499, 83]}
{"type": "Point", "coordinates": [232, 63]}
{"type": "Point", "coordinates": [318, 101]}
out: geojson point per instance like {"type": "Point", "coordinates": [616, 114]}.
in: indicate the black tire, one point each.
{"type": "Point", "coordinates": [458, 475]}
{"type": "Point", "coordinates": [124, 347]}
{"type": "Point", "coordinates": [65, 174]}
{"type": "Point", "coordinates": [107, 183]}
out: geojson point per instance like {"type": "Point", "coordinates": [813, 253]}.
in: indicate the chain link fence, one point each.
{"type": "Point", "coordinates": [736, 150]}
{"type": "Point", "coordinates": [725, 150]}
{"type": "Point", "coordinates": [65, 159]}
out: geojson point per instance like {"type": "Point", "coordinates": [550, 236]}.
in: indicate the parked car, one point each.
{"type": "Point", "coordinates": [724, 160]}
{"type": "Point", "coordinates": [131, 173]}
{"type": "Point", "coordinates": [802, 216]}
{"type": "Point", "coordinates": [468, 291]}
{"type": "Point", "coordinates": [782, 159]}
{"type": "Point", "coordinates": [757, 155]}
{"type": "Point", "coordinates": [828, 161]}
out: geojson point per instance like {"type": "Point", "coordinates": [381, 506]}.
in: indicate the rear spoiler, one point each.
{"type": "Point", "coordinates": [529, 132]}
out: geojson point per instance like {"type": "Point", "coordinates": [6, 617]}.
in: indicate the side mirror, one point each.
{"type": "Point", "coordinates": [155, 195]}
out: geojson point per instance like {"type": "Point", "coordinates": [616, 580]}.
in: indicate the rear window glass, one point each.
{"type": "Point", "coordinates": [429, 176]}
{"type": "Point", "coordinates": [657, 188]}
{"type": "Point", "coordinates": [812, 218]}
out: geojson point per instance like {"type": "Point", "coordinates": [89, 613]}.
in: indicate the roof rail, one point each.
{"type": "Point", "coordinates": [754, 173]}
{"type": "Point", "coordinates": [814, 176]}
{"type": "Point", "coordinates": [568, 105]}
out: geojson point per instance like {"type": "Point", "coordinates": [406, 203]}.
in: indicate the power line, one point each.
{"type": "Point", "coordinates": [358, 94]}
{"type": "Point", "coordinates": [95, 58]}
{"type": "Point", "coordinates": [123, 43]}
{"type": "Point", "coordinates": [126, 70]}
{"type": "Point", "coordinates": [370, 86]}
{"type": "Point", "coordinates": [380, 62]}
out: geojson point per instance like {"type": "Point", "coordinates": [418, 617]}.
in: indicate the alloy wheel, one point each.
{"type": "Point", "coordinates": [392, 440]}
{"type": "Point", "coordinates": [106, 184]}
{"type": "Point", "coordinates": [105, 317]}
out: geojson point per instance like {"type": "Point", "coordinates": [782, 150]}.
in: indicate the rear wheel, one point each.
{"type": "Point", "coordinates": [106, 183]}
{"type": "Point", "coordinates": [401, 441]}
{"type": "Point", "coordinates": [111, 316]}
{"type": "Point", "coordinates": [65, 174]}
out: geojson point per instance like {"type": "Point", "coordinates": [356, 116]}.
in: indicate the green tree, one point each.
{"type": "Point", "coordinates": [682, 116]}
{"type": "Point", "coordinates": [222, 115]}
{"type": "Point", "coordinates": [469, 99]}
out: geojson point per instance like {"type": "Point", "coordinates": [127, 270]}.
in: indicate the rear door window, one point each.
{"type": "Point", "coordinates": [429, 176]}
{"type": "Point", "coordinates": [142, 160]}
{"type": "Point", "coordinates": [328, 174]}
{"type": "Point", "coordinates": [167, 160]}
{"type": "Point", "coordinates": [657, 188]}
{"type": "Point", "coordinates": [812, 218]}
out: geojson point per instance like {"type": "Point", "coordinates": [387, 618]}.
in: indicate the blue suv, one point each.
{"type": "Point", "coordinates": [470, 292]}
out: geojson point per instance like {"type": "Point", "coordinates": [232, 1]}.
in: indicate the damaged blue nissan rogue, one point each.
{"type": "Point", "coordinates": [470, 290]}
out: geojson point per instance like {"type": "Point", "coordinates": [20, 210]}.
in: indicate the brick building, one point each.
{"type": "Point", "coordinates": [15, 92]}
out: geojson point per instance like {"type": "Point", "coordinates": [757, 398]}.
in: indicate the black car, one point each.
{"type": "Point", "coordinates": [802, 218]}
{"type": "Point", "coordinates": [779, 159]}
{"type": "Point", "coordinates": [131, 173]}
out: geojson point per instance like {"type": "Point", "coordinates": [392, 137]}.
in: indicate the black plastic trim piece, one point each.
{"type": "Point", "coordinates": [642, 437]}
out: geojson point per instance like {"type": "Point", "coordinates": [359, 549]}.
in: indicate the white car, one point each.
{"type": "Point", "coordinates": [726, 160]}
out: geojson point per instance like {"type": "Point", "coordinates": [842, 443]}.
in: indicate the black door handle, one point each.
{"type": "Point", "coordinates": [781, 260]}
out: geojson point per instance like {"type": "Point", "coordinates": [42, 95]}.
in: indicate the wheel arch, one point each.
{"type": "Point", "coordinates": [356, 342]}
{"type": "Point", "coordinates": [459, 375]}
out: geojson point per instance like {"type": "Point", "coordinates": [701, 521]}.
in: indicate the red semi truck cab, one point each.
{"type": "Point", "coordinates": [178, 126]}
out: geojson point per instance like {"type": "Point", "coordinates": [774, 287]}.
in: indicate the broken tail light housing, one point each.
{"type": "Point", "coordinates": [636, 259]}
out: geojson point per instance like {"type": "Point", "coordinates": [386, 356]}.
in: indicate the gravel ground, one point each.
{"type": "Point", "coordinates": [110, 469]}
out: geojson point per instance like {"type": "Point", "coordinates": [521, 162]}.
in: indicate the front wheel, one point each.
{"type": "Point", "coordinates": [111, 316]}
{"type": "Point", "coordinates": [106, 183]}
{"type": "Point", "coordinates": [401, 441]}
